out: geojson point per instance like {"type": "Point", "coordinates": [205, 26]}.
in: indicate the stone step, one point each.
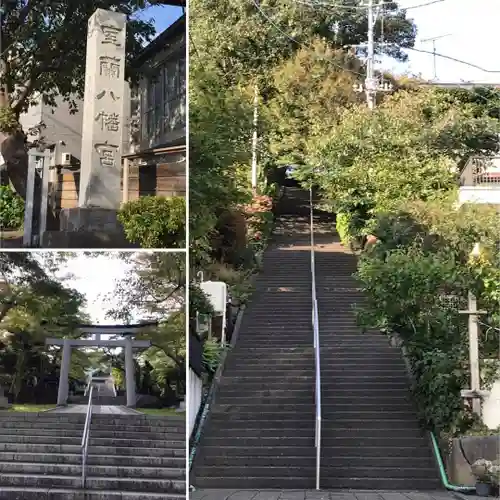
{"type": "Point", "coordinates": [373, 453]}
{"type": "Point", "coordinates": [64, 469]}
{"type": "Point", "coordinates": [262, 416]}
{"type": "Point", "coordinates": [369, 472]}
{"type": "Point", "coordinates": [92, 483]}
{"type": "Point", "coordinates": [273, 371]}
{"type": "Point", "coordinates": [113, 460]}
{"type": "Point", "coordinates": [54, 418]}
{"type": "Point", "coordinates": [95, 450]}
{"type": "Point", "coordinates": [359, 461]}
{"type": "Point", "coordinates": [243, 425]}
{"type": "Point", "coordinates": [77, 434]}
{"type": "Point", "coordinates": [326, 442]}
{"type": "Point", "coordinates": [271, 382]}
{"type": "Point", "coordinates": [13, 493]}
{"type": "Point", "coordinates": [13, 424]}
{"type": "Point", "coordinates": [327, 433]}
{"type": "Point", "coordinates": [387, 483]}
{"type": "Point", "coordinates": [94, 441]}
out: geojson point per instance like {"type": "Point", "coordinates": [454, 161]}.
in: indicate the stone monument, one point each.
{"type": "Point", "coordinates": [102, 135]}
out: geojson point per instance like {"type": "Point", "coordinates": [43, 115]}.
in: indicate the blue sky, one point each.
{"type": "Point", "coordinates": [473, 28]}
{"type": "Point", "coordinates": [163, 16]}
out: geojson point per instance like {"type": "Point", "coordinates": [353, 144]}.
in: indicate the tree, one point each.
{"type": "Point", "coordinates": [245, 41]}
{"type": "Point", "coordinates": [43, 54]}
{"type": "Point", "coordinates": [311, 91]}
{"type": "Point", "coordinates": [249, 38]}
{"type": "Point", "coordinates": [409, 148]}
{"type": "Point", "coordinates": [34, 306]}
{"type": "Point", "coordinates": [220, 127]}
{"type": "Point", "coordinates": [155, 288]}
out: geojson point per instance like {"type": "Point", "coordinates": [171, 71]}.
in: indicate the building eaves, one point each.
{"type": "Point", "coordinates": [178, 28]}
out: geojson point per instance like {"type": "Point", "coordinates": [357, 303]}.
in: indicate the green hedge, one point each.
{"type": "Point", "coordinates": [155, 221]}
{"type": "Point", "coordinates": [11, 209]}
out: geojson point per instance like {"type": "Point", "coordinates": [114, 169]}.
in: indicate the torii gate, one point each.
{"type": "Point", "coordinates": [97, 330]}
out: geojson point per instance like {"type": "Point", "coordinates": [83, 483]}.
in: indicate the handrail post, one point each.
{"type": "Point", "coordinates": [86, 435]}
{"type": "Point", "coordinates": [315, 325]}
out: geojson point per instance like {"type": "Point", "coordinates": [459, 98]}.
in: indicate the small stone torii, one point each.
{"type": "Point", "coordinates": [97, 330]}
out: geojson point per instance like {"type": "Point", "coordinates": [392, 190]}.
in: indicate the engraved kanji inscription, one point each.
{"type": "Point", "coordinates": [111, 35]}
{"type": "Point", "coordinates": [107, 154]}
{"type": "Point", "coordinates": [102, 93]}
{"type": "Point", "coordinates": [109, 121]}
{"type": "Point", "coordinates": [109, 66]}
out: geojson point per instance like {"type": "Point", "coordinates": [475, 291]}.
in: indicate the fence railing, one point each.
{"type": "Point", "coordinates": [480, 171]}
{"type": "Point", "coordinates": [86, 435]}
{"type": "Point", "coordinates": [315, 325]}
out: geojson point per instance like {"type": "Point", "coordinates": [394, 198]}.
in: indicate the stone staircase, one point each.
{"type": "Point", "coordinates": [130, 457]}
{"type": "Point", "coordinates": [371, 438]}
{"type": "Point", "coordinates": [260, 433]}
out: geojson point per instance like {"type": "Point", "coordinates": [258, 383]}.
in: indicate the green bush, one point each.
{"type": "Point", "coordinates": [342, 224]}
{"type": "Point", "coordinates": [11, 209]}
{"type": "Point", "coordinates": [155, 221]}
{"type": "Point", "coordinates": [416, 280]}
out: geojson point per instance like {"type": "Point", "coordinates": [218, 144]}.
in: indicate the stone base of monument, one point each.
{"type": "Point", "coordinates": [87, 228]}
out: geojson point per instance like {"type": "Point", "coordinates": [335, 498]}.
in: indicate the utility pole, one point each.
{"type": "Point", "coordinates": [370, 83]}
{"type": "Point", "coordinates": [255, 137]}
{"type": "Point", "coordinates": [434, 57]}
{"type": "Point", "coordinates": [371, 86]}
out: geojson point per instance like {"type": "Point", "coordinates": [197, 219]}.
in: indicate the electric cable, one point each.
{"type": "Point", "coordinates": [276, 27]}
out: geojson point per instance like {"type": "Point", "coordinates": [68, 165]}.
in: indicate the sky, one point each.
{"type": "Point", "coordinates": [95, 277]}
{"type": "Point", "coordinates": [473, 28]}
{"type": "Point", "coordinates": [470, 26]}
{"type": "Point", "coordinates": [162, 15]}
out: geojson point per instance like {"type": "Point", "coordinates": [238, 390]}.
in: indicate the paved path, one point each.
{"type": "Point", "coordinates": [103, 409]}
{"type": "Point", "coordinates": [316, 495]}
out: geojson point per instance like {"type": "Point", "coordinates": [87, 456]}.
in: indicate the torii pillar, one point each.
{"type": "Point", "coordinates": [68, 344]}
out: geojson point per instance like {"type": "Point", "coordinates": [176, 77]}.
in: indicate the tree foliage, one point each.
{"type": "Point", "coordinates": [154, 288]}
{"type": "Point", "coordinates": [416, 280]}
{"type": "Point", "coordinates": [33, 307]}
{"type": "Point", "coordinates": [43, 46]}
{"type": "Point", "coordinates": [411, 147]}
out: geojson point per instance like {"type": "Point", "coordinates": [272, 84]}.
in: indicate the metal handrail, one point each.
{"type": "Point", "coordinates": [86, 436]}
{"type": "Point", "coordinates": [315, 325]}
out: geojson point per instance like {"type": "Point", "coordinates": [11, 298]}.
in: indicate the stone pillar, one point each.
{"type": "Point", "coordinates": [129, 373]}
{"type": "Point", "coordinates": [100, 193]}
{"type": "Point", "coordinates": [62, 393]}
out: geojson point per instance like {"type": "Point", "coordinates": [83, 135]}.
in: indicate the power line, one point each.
{"type": "Point", "coordinates": [263, 14]}
{"type": "Point", "coordinates": [314, 3]}
{"type": "Point", "coordinates": [472, 65]}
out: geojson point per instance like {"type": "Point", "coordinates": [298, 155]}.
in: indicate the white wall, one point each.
{"type": "Point", "coordinates": [194, 392]}
{"type": "Point", "coordinates": [479, 194]}
{"type": "Point", "coordinates": [491, 407]}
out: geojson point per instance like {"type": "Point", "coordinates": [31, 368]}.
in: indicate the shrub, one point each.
{"type": "Point", "coordinates": [420, 262]}
{"type": "Point", "coordinates": [342, 224]}
{"type": "Point", "coordinates": [11, 209]}
{"type": "Point", "coordinates": [155, 221]}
